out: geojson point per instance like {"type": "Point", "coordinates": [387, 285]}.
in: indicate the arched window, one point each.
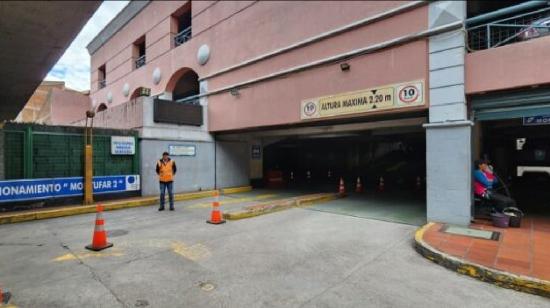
{"type": "Point", "coordinates": [184, 86]}
{"type": "Point", "coordinates": [101, 107]}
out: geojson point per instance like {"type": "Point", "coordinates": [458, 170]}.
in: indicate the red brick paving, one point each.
{"type": "Point", "coordinates": [523, 251]}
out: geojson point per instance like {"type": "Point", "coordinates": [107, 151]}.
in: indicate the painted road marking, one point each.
{"type": "Point", "coordinates": [231, 201]}
{"type": "Point", "coordinates": [195, 252]}
{"type": "Point", "coordinates": [85, 255]}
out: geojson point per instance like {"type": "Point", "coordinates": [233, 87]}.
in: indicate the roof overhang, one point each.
{"type": "Point", "coordinates": [33, 36]}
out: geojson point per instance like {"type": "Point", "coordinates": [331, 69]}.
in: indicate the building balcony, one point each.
{"type": "Point", "coordinates": [523, 23]}
{"type": "Point", "coordinates": [190, 100]}
{"type": "Point", "coordinates": [508, 50]}
{"type": "Point", "coordinates": [182, 37]}
{"type": "Point", "coordinates": [140, 61]}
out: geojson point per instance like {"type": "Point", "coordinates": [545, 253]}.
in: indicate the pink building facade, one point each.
{"type": "Point", "coordinates": [54, 104]}
{"type": "Point", "coordinates": [243, 75]}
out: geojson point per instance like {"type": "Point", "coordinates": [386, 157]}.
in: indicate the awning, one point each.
{"type": "Point", "coordinates": [511, 105]}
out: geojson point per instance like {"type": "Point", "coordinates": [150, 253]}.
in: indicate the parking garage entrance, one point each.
{"type": "Point", "coordinates": [387, 157]}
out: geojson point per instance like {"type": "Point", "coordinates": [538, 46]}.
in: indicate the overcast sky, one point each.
{"type": "Point", "coordinates": [74, 65]}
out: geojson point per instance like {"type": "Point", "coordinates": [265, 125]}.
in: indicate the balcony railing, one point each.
{"type": "Point", "coordinates": [102, 83]}
{"type": "Point", "coordinates": [510, 30]}
{"type": "Point", "coordinates": [140, 61]}
{"type": "Point", "coordinates": [189, 100]}
{"type": "Point", "coordinates": [182, 37]}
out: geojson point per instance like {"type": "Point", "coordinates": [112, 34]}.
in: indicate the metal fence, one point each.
{"type": "Point", "coordinates": [140, 61]}
{"type": "Point", "coordinates": [190, 100]}
{"type": "Point", "coordinates": [36, 151]}
{"type": "Point", "coordinates": [505, 31]}
{"type": "Point", "coordinates": [182, 37]}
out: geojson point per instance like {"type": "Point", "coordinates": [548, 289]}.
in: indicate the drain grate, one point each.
{"type": "Point", "coordinates": [115, 233]}
{"type": "Point", "coordinates": [483, 234]}
{"type": "Point", "coordinates": [141, 303]}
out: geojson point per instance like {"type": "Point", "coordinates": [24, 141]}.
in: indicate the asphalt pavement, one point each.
{"type": "Point", "coordinates": [294, 258]}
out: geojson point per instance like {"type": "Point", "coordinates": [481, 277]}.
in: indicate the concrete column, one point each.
{"type": "Point", "coordinates": [448, 133]}
{"type": "Point", "coordinates": [232, 164]}
{"type": "Point", "coordinates": [203, 88]}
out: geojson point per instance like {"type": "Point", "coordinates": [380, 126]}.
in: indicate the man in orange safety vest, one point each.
{"type": "Point", "coordinates": [166, 169]}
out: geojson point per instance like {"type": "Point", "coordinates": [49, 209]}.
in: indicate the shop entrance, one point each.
{"type": "Point", "coordinates": [520, 152]}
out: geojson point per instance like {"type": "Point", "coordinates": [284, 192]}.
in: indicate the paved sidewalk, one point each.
{"type": "Point", "coordinates": [521, 256]}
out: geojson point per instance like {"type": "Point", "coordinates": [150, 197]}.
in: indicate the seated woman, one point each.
{"type": "Point", "coordinates": [484, 182]}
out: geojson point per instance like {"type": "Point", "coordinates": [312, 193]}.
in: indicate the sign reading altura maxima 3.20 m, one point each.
{"type": "Point", "coordinates": [380, 98]}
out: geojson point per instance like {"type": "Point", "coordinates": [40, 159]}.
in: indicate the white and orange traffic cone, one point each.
{"type": "Point", "coordinates": [358, 186]}
{"type": "Point", "coordinates": [342, 188]}
{"type": "Point", "coordinates": [216, 215]}
{"type": "Point", "coordinates": [99, 241]}
{"type": "Point", "coordinates": [381, 184]}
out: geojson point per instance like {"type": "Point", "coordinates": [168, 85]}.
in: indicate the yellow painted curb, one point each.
{"type": "Point", "coordinates": [108, 206]}
{"type": "Point", "coordinates": [234, 190]}
{"type": "Point", "coordinates": [279, 205]}
{"type": "Point", "coordinates": [500, 278]}
{"type": "Point", "coordinates": [419, 234]}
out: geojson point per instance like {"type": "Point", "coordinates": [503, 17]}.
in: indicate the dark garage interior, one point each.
{"type": "Point", "coordinates": [316, 164]}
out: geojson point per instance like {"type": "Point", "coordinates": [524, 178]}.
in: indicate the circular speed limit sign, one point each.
{"type": "Point", "coordinates": [409, 94]}
{"type": "Point", "coordinates": [310, 108]}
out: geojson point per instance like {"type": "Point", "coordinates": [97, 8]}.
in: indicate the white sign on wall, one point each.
{"type": "Point", "coordinates": [182, 150]}
{"type": "Point", "coordinates": [122, 145]}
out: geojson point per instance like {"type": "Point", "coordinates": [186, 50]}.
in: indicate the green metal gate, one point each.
{"type": "Point", "coordinates": [35, 151]}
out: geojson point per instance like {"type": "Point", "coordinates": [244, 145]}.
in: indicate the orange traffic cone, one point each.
{"type": "Point", "coordinates": [358, 186]}
{"type": "Point", "coordinates": [4, 297]}
{"type": "Point", "coordinates": [381, 184]}
{"type": "Point", "coordinates": [216, 215]}
{"type": "Point", "coordinates": [99, 241]}
{"type": "Point", "coordinates": [342, 188]}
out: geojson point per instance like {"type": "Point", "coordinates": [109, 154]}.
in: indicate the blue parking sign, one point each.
{"type": "Point", "coordinates": [36, 189]}
{"type": "Point", "coordinates": [536, 120]}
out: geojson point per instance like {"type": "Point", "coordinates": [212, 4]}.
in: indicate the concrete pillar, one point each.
{"type": "Point", "coordinates": [203, 88]}
{"type": "Point", "coordinates": [232, 163]}
{"type": "Point", "coordinates": [448, 133]}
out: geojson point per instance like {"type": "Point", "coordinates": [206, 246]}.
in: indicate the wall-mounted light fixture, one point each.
{"type": "Point", "coordinates": [344, 66]}
{"type": "Point", "coordinates": [234, 92]}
